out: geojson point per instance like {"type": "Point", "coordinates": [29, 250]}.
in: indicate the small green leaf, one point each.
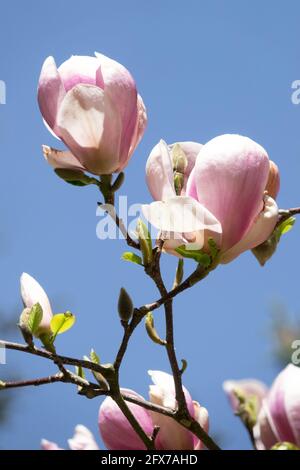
{"type": "Point", "coordinates": [94, 357]}
{"type": "Point", "coordinates": [35, 318]}
{"type": "Point", "coordinates": [179, 274]}
{"type": "Point", "coordinates": [62, 322]}
{"type": "Point", "coordinates": [203, 258]}
{"type": "Point", "coordinates": [152, 333]}
{"type": "Point", "coordinates": [184, 366]}
{"type": "Point", "coordinates": [285, 227]}
{"type": "Point", "coordinates": [132, 257]}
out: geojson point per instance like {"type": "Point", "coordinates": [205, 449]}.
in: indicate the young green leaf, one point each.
{"type": "Point", "coordinates": [62, 322]}
{"type": "Point", "coordinates": [35, 317]}
{"type": "Point", "coordinates": [94, 357]}
{"type": "Point", "coordinates": [203, 258]}
{"type": "Point", "coordinates": [75, 177]}
{"type": "Point", "coordinates": [145, 242]}
{"type": "Point", "coordinates": [132, 257]}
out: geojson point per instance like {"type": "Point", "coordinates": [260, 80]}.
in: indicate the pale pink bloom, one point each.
{"type": "Point", "coordinates": [228, 182]}
{"type": "Point", "coordinates": [118, 434]}
{"type": "Point", "coordinates": [92, 105]}
{"type": "Point", "coordinates": [278, 408]}
{"type": "Point", "coordinates": [83, 439]}
{"type": "Point", "coordinates": [33, 293]}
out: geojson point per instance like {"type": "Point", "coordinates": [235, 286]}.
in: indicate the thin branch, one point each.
{"type": "Point", "coordinates": [33, 382]}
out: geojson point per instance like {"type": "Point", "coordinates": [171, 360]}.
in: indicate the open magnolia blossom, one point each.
{"type": "Point", "coordinates": [278, 408]}
{"type": "Point", "coordinates": [32, 293]}
{"type": "Point", "coordinates": [118, 434]}
{"type": "Point", "coordinates": [83, 439]}
{"type": "Point", "coordinates": [92, 105]}
{"type": "Point", "coordinates": [224, 192]}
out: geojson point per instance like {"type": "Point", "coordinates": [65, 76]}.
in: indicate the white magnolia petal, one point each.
{"type": "Point", "coordinates": [180, 214]}
{"type": "Point", "coordinates": [83, 439]}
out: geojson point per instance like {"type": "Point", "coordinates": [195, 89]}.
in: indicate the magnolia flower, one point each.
{"type": "Point", "coordinates": [92, 105]}
{"type": "Point", "coordinates": [83, 439]}
{"type": "Point", "coordinates": [278, 408]}
{"type": "Point", "coordinates": [225, 195]}
{"type": "Point", "coordinates": [118, 434]}
{"type": "Point", "coordinates": [32, 293]}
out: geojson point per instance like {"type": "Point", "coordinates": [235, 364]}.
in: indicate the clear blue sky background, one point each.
{"type": "Point", "coordinates": [203, 68]}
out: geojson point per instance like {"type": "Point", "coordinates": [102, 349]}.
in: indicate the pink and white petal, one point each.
{"type": "Point", "coordinates": [90, 126]}
{"type": "Point", "coordinates": [180, 214]}
{"type": "Point", "coordinates": [61, 159]}
{"type": "Point", "coordinates": [116, 431]}
{"type": "Point", "coordinates": [248, 387]}
{"type": "Point", "coordinates": [48, 445]}
{"type": "Point", "coordinates": [201, 415]}
{"type": "Point", "coordinates": [79, 70]}
{"type": "Point", "coordinates": [159, 173]}
{"type": "Point", "coordinates": [284, 404]}
{"type": "Point", "coordinates": [33, 293]}
{"type": "Point", "coordinates": [258, 232]}
{"type": "Point", "coordinates": [231, 173]}
{"type": "Point", "coordinates": [264, 432]}
{"type": "Point", "coordinates": [50, 93]}
{"type": "Point", "coordinates": [83, 439]}
{"type": "Point", "coordinates": [140, 127]}
{"type": "Point", "coordinates": [121, 89]}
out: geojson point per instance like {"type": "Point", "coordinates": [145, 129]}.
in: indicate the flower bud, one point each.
{"type": "Point", "coordinates": [179, 159]}
{"type": "Point", "coordinates": [145, 242]}
{"type": "Point", "coordinates": [152, 333]}
{"type": "Point", "coordinates": [125, 306]}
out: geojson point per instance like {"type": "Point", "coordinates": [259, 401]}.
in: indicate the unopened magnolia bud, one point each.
{"type": "Point", "coordinates": [179, 159]}
{"type": "Point", "coordinates": [273, 183]}
{"type": "Point", "coordinates": [75, 177]}
{"type": "Point", "coordinates": [145, 242]}
{"type": "Point", "coordinates": [125, 306]}
{"type": "Point", "coordinates": [152, 333]}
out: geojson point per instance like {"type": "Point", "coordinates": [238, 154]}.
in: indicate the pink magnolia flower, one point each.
{"type": "Point", "coordinates": [226, 193]}
{"type": "Point", "coordinates": [83, 439]}
{"type": "Point", "coordinates": [118, 434]}
{"type": "Point", "coordinates": [279, 407]}
{"type": "Point", "coordinates": [33, 293]}
{"type": "Point", "coordinates": [92, 105]}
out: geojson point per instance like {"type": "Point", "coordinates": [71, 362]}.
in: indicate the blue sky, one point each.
{"type": "Point", "coordinates": [203, 68]}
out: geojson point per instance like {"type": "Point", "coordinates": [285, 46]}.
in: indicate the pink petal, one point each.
{"type": "Point", "coordinates": [264, 433]}
{"type": "Point", "coordinates": [201, 415]}
{"type": "Point", "coordinates": [159, 173]}
{"type": "Point", "coordinates": [121, 89]}
{"type": "Point", "coordinates": [248, 387]}
{"type": "Point", "coordinates": [257, 233]}
{"type": "Point", "coordinates": [284, 404]}
{"type": "Point", "coordinates": [50, 93]}
{"type": "Point", "coordinates": [79, 70]}
{"type": "Point", "coordinates": [116, 431]}
{"type": "Point", "coordinates": [61, 159]}
{"type": "Point", "coordinates": [83, 439]}
{"type": "Point", "coordinates": [140, 128]}
{"type": "Point", "coordinates": [32, 293]}
{"type": "Point", "coordinates": [230, 175]}
{"type": "Point", "coordinates": [90, 126]}
{"type": "Point", "coordinates": [180, 214]}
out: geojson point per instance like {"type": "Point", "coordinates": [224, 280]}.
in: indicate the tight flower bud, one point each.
{"type": "Point", "coordinates": [125, 306]}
